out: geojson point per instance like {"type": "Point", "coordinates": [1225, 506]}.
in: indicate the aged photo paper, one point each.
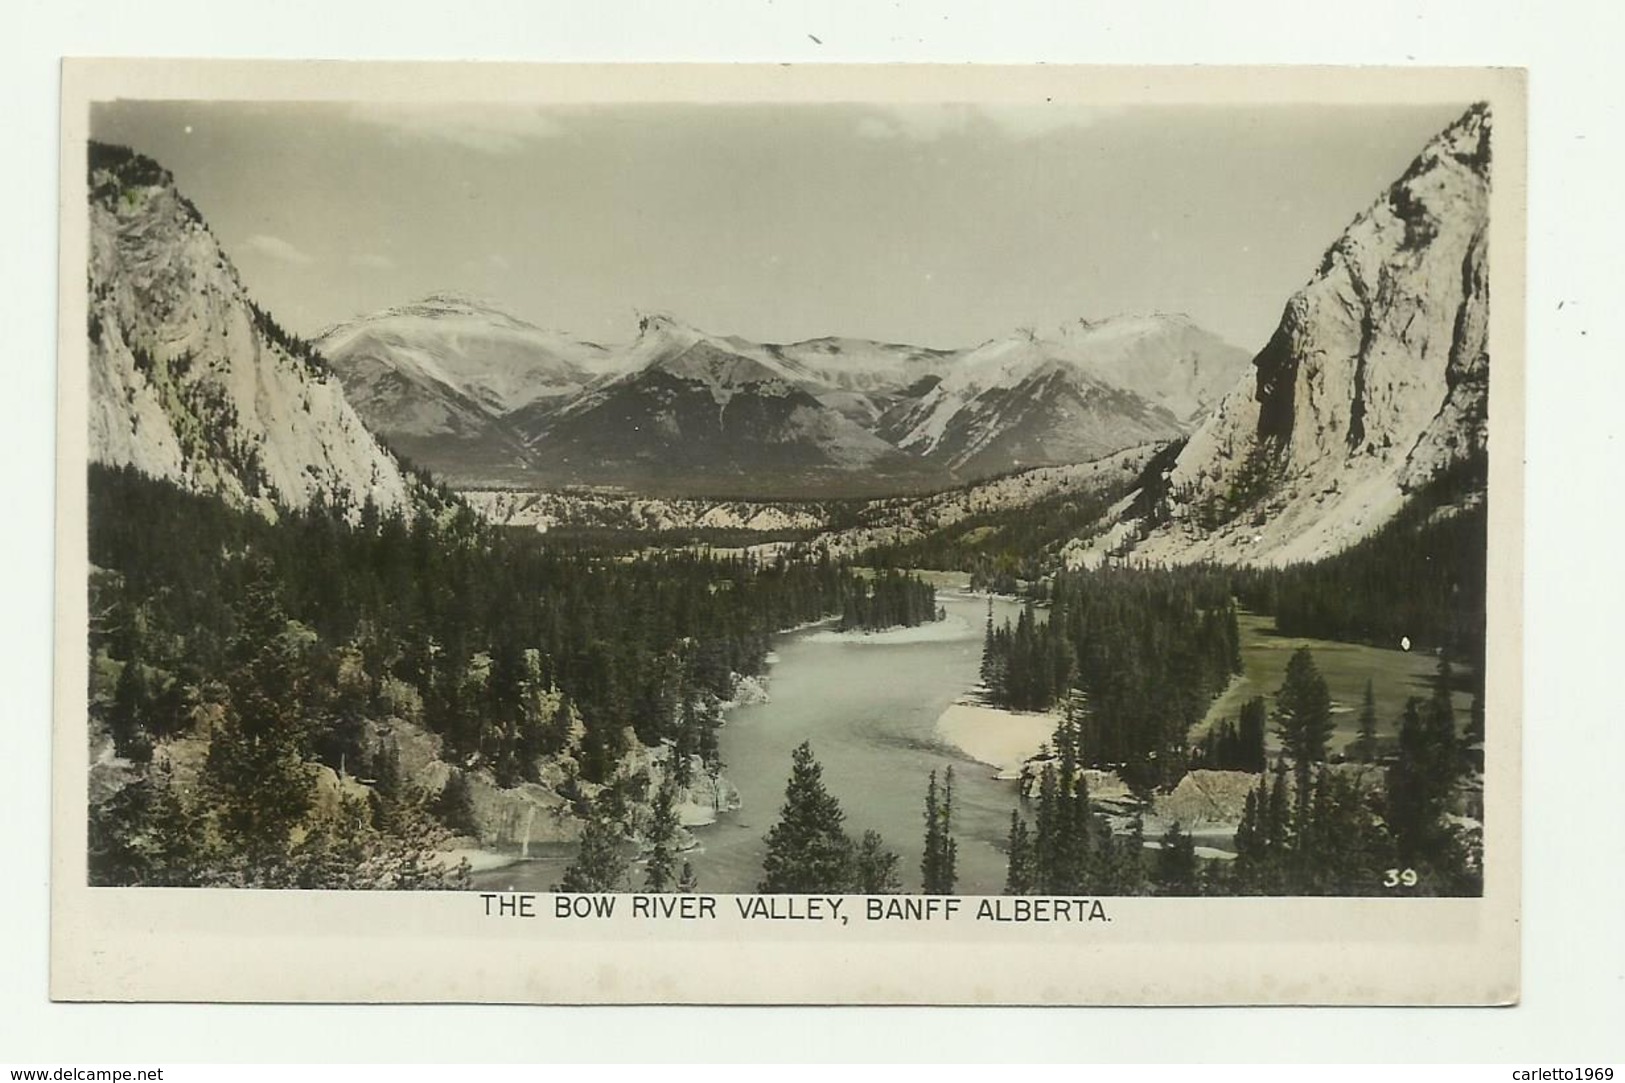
{"type": "Point", "coordinates": [788, 534]}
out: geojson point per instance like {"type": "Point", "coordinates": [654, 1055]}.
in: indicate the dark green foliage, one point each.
{"type": "Point", "coordinates": [1071, 849]}
{"type": "Point", "coordinates": [937, 867]}
{"type": "Point", "coordinates": [1237, 745]}
{"type": "Point", "coordinates": [808, 852]}
{"type": "Point", "coordinates": [1421, 576]}
{"type": "Point", "coordinates": [291, 344]}
{"type": "Point", "coordinates": [600, 863]}
{"type": "Point", "coordinates": [874, 868]}
{"type": "Point", "coordinates": [455, 805]}
{"type": "Point", "coordinates": [1176, 871]}
{"type": "Point", "coordinates": [1334, 843]}
{"type": "Point", "coordinates": [482, 623]}
{"type": "Point", "coordinates": [1021, 876]}
{"type": "Point", "coordinates": [1249, 484]}
{"type": "Point", "coordinates": [130, 716]}
{"type": "Point", "coordinates": [659, 872]}
{"type": "Point", "coordinates": [121, 169]}
{"type": "Point", "coordinates": [888, 600]}
{"type": "Point", "coordinates": [257, 768]}
{"type": "Point", "coordinates": [1422, 780]}
{"type": "Point", "coordinates": [1148, 650]}
{"type": "Point", "coordinates": [147, 834]}
{"type": "Point", "coordinates": [1303, 718]}
{"type": "Point", "coordinates": [1365, 746]}
{"type": "Point", "coordinates": [298, 636]}
{"type": "Point", "coordinates": [1346, 835]}
{"type": "Point", "coordinates": [1003, 549]}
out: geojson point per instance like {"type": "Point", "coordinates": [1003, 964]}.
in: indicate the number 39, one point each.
{"type": "Point", "coordinates": [1399, 878]}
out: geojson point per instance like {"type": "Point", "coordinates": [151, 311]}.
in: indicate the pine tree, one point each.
{"type": "Point", "coordinates": [937, 870]}
{"type": "Point", "coordinates": [455, 805]}
{"type": "Point", "coordinates": [599, 864]}
{"type": "Point", "coordinates": [1303, 719]}
{"type": "Point", "coordinates": [1020, 876]}
{"type": "Point", "coordinates": [1176, 871]}
{"type": "Point", "coordinates": [658, 872]}
{"type": "Point", "coordinates": [807, 851]}
{"type": "Point", "coordinates": [875, 867]}
{"type": "Point", "coordinates": [1423, 779]}
{"type": "Point", "coordinates": [128, 716]}
{"type": "Point", "coordinates": [255, 765]}
{"type": "Point", "coordinates": [993, 661]}
{"type": "Point", "coordinates": [1365, 747]}
{"type": "Point", "coordinates": [1251, 735]}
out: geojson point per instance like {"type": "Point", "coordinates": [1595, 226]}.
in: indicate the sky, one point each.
{"type": "Point", "coordinates": [937, 225]}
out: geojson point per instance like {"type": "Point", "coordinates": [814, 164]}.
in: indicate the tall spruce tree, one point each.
{"type": "Point", "coordinates": [600, 864]}
{"type": "Point", "coordinates": [874, 868]}
{"type": "Point", "coordinates": [1176, 869]}
{"type": "Point", "coordinates": [937, 866]}
{"type": "Point", "coordinates": [1365, 747]}
{"type": "Point", "coordinates": [659, 873]}
{"type": "Point", "coordinates": [1021, 874]}
{"type": "Point", "coordinates": [1303, 720]}
{"type": "Point", "coordinates": [807, 850]}
{"type": "Point", "coordinates": [256, 765]}
{"type": "Point", "coordinates": [1422, 780]}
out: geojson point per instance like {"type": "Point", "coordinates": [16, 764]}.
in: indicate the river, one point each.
{"type": "Point", "coordinates": [869, 705]}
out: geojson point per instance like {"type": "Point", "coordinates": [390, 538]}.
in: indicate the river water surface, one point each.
{"type": "Point", "coordinates": [869, 705]}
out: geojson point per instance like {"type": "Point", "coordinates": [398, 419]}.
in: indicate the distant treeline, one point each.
{"type": "Point", "coordinates": [294, 636]}
{"type": "Point", "coordinates": [1147, 649]}
{"type": "Point", "coordinates": [1422, 577]}
{"type": "Point", "coordinates": [888, 600]}
{"type": "Point", "coordinates": [1001, 549]}
{"type": "Point", "coordinates": [1136, 655]}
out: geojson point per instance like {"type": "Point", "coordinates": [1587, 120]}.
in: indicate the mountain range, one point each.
{"type": "Point", "coordinates": [1373, 386]}
{"type": "Point", "coordinates": [482, 398]}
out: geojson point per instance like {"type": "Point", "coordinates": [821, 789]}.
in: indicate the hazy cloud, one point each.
{"type": "Point", "coordinates": [491, 261]}
{"type": "Point", "coordinates": [373, 261]}
{"type": "Point", "coordinates": [928, 123]}
{"type": "Point", "coordinates": [488, 128]}
{"type": "Point", "coordinates": [277, 249]}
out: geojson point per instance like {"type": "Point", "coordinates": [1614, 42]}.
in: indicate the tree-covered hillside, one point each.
{"type": "Point", "coordinates": [282, 644]}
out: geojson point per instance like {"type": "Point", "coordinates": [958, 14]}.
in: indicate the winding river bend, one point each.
{"type": "Point", "coordinates": [869, 705]}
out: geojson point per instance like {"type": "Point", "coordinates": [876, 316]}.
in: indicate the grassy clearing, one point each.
{"type": "Point", "coordinates": [1395, 676]}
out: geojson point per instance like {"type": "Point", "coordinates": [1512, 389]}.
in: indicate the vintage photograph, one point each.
{"type": "Point", "coordinates": [1075, 499]}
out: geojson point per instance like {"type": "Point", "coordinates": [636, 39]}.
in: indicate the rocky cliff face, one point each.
{"type": "Point", "coordinates": [1374, 382]}
{"type": "Point", "coordinates": [191, 382]}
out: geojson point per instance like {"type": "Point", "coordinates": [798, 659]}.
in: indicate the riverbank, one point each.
{"type": "Point", "coordinates": [478, 860]}
{"type": "Point", "coordinates": [999, 738]}
{"type": "Point", "coordinates": [947, 630]}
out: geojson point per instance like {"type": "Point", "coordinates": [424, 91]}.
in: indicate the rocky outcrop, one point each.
{"type": "Point", "coordinates": [191, 382]}
{"type": "Point", "coordinates": [1373, 384]}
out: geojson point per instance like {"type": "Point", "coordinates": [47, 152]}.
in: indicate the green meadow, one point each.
{"type": "Point", "coordinates": [1395, 676]}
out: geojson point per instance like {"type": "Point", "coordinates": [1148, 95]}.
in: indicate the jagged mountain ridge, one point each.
{"type": "Point", "coordinates": [871, 416]}
{"type": "Point", "coordinates": [1374, 383]}
{"type": "Point", "coordinates": [1085, 392]}
{"type": "Point", "coordinates": [193, 383]}
{"type": "Point", "coordinates": [690, 408]}
{"type": "Point", "coordinates": [440, 377]}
